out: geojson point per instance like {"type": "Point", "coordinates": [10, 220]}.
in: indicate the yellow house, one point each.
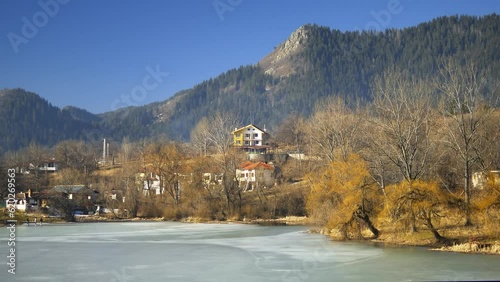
{"type": "Point", "coordinates": [251, 138]}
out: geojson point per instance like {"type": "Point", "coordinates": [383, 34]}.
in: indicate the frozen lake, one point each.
{"type": "Point", "coordinates": [167, 251]}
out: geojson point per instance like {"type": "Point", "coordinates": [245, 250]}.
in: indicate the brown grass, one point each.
{"type": "Point", "coordinates": [472, 247]}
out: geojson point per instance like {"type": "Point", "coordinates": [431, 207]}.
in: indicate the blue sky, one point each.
{"type": "Point", "coordinates": [103, 54]}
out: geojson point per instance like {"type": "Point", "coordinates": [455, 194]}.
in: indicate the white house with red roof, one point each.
{"type": "Point", "coordinates": [255, 175]}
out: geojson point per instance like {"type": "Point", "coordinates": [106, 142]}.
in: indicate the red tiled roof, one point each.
{"type": "Point", "coordinates": [251, 166]}
{"type": "Point", "coordinates": [245, 164]}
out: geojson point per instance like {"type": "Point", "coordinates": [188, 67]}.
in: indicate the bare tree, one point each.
{"type": "Point", "coordinates": [33, 157]}
{"type": "Point", "coordinates": [133, 188]}
{"type": "Point", "coordinates": [126, 150]}
{"type": "Point", "coordinates": [334, 130]}
{"type": "Point", "coordinates": [465, 106]}
{"type": "Point", "coordinates": [292, 132]}
{"type": "Point", "coordinates": [491, 132]}
{"type": "Point", "coordinates": [403, 114]}
{"type": "Point", "coordinates": [219, 135]}
{"type": "Point", "coordinates": [199, 137]}
{"type": "Point", "coordinates": [77, 155]}
{"type": "Point", "coordinates": [163, 159]}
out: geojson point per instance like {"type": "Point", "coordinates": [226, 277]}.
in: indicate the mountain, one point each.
{"type": "Point", "coordinates": [26, 118]}
{"type": "Point", "coordinates": [81, 114]}
{"type": "Point", "coordinates": [315, 62]}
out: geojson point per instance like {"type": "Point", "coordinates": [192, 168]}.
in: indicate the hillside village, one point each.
{"type": "Point", "coordinates": [256, 172]}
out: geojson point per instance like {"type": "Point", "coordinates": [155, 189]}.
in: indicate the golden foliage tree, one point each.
{"type": "Point", "coordinates": [417, 201]}
{"type": "Point", "coordinates": [343, 194]}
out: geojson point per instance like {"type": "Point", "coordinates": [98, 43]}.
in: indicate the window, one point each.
{"type": "Point", "coordinates": [256, 135]}
{"type": "Point", "coordinates": [246, 143]}
{"type": "Point", "coordinates": [238, 142]}
{"type": "Point", "coordinates": [256, 142]}
{"type": "Point", "coordinates": [247, 135]}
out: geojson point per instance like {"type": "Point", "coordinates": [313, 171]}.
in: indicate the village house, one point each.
{"type": "Point", "coordinates": [481, 179]}
{"type": "Point", "coordinates": [212, 180]}
{"type": "Point", "coordinates": [251, 139]}
{"type": "Point", "coordinates": [76, 191]}
{"type": "Point", "coordinates": [151, 183]}
{"type": "Point", "coordinates": [256, 175]}
{"type": "Point", "coordinates": [115, 194]}
{"type": "Point", "coordinates": [49, 166]}
{"type": "Point", "coordinates": [25, 202]}
{"type": "Point", "coordinates": [83, 197]}
{"type": "Point", "coordinates": [111, 199]}
{"type": "Point", "coordinates": [20, 202]}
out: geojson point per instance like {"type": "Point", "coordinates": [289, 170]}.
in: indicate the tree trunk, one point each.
{"type": "Point", "coordinates": [413, 219]}
{"type": "Point", "coordinates": [468, 221]}
{"type": "Point", "coordinates": [366, 219]}
{"type": "Point", "coordinates": [227, 194]}
{"type": "Point", "coordinates": [428, 223]}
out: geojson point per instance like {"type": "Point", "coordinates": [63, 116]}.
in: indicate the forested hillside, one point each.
{"type": "Point", "coordinates": [314, 63]}
{"type": "Point", "coordinates": [327, 63]}
{"type": "Point", "coordinates": [26, 117]}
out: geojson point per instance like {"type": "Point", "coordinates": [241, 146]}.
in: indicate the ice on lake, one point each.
{"type": "Point", "coordinates": [168, 251]}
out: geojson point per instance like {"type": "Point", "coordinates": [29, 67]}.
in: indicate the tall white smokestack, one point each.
{"type": "Point", "coordinates": [104, 150]}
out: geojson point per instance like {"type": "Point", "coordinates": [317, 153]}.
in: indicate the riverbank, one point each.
{"type": "Point", "coordinates": [472, 247]}
{"type": "Point", "coordinates": [289, 220]}
{"type": "Point", "coordinates": [459, 239]}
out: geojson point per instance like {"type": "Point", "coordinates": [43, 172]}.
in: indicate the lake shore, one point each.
{"type": "Point", "coordinates": [464, 244]}
{"type": "Point", "coordinates": [289, 220]}
{"type": "Point", "coordinates": [459, 242]}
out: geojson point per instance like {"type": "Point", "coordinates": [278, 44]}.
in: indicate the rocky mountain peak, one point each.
{"type": "Point", "coordinates": [279, 62]}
